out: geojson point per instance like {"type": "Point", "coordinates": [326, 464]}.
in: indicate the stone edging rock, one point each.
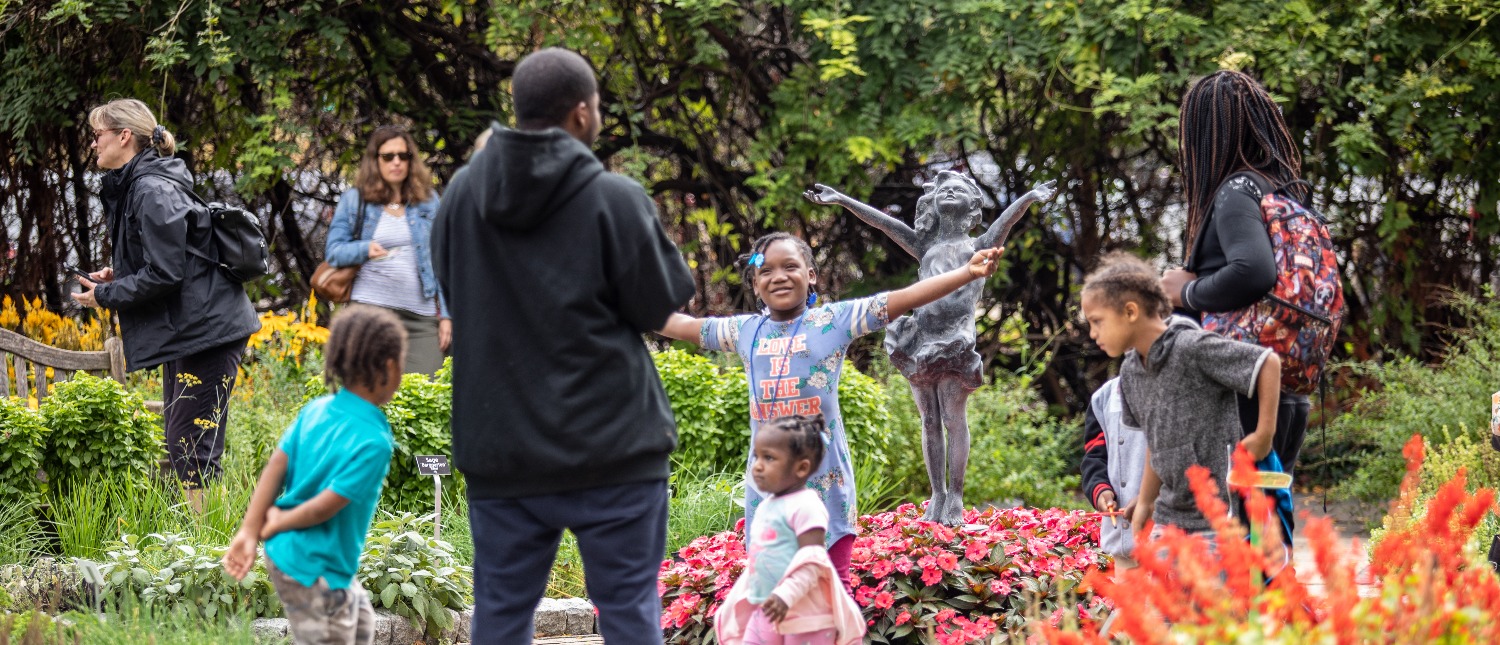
{"type": "Point", "coordinates": [554, 617]}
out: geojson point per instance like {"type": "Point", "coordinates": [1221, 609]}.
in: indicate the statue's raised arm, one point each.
{"type": "Point", "coordinates": [903, 235]}
{"type": "Point", "coordinates": [1000, 230]}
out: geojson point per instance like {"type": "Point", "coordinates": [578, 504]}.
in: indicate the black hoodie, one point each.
{"type": "Point", "coordinates": [553, 268]}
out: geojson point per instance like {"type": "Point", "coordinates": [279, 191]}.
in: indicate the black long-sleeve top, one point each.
{"type": "Point", "coordinates": [1095, 464]}
{"type": "Point", "coordinates": [1232, 256]}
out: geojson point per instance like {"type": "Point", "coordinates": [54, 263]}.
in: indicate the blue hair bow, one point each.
{"type": "Point", "coordinates": [757, 260]}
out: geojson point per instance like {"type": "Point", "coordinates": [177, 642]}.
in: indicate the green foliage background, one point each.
{"type": "Point", "coordinates": [1442, 402]}
{"type": "Point", "coordinates": [727, 111]}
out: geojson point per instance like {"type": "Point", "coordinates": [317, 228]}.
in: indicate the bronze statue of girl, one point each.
{"type": "Point", "coordinates": [934, 347]}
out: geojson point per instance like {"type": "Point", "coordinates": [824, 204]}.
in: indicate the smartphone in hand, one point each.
{"type": "Point", "coordinates": [79, 272]}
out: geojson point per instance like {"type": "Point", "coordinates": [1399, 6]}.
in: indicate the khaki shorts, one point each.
{"type": "Point", "coordinates": [323, 616]}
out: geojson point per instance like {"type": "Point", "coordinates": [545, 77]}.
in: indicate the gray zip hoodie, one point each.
{"type": "Point", "coordinates": [1183, 397]}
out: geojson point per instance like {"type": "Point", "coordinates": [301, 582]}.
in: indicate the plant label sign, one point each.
{"type": "Point", "coordinates": [433, 465]}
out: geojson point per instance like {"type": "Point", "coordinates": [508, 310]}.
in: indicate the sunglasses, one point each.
{"type": "Point", "coordinates": [392, 156]}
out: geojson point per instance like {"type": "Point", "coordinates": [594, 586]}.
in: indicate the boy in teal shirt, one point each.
{"type": "Point", "coordinates": [325, 479]}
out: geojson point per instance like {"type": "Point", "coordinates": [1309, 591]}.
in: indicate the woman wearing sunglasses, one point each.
{"type": "Point", "coordinates": [384, 224]}
{"type": "Point", "coordinates": [176, 308]}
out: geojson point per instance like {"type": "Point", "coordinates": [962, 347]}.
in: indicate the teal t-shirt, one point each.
{"type": "Point", "coordinates": [341, 443]}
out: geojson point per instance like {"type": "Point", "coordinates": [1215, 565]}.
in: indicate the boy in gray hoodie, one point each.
{"type": "Point", "coordinates": [1178, 384]}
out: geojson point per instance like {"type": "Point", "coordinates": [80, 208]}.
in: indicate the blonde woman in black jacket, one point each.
{"type": "Point", "coordinates": [176, 308]}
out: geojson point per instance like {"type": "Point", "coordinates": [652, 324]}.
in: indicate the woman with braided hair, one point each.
{"type": "Point", "coordinates": [1233, 149]}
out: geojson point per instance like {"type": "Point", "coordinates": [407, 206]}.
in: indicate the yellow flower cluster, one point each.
{"type": "Point", "coordinates": [36, 322]}
{"type": "Point", "coordinates": [290, 335]}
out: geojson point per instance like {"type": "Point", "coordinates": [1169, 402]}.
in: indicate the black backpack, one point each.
{"type": "Point", "coordinates": [241, 246]}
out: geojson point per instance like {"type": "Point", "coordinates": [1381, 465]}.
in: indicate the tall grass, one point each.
{"type": "Point", "coordinates": [107, 505]}
{"type": "Point", "coordinates": [21, 536]}
{"type": "Point", "coordinates": [129, 623]}
{"type": "Point", "coordinates": [703, 504]}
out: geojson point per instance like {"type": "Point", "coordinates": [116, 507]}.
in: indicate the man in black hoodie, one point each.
{"type": "Point", "coordinates": [553, 268]}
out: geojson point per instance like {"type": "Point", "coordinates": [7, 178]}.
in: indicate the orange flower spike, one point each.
{"type": "Point", "coordinates": [1206, 495]}
{"type": "Point", "coordinates": [1338, 576]}
{"type": "Point", "coordinates": [1480, 504]}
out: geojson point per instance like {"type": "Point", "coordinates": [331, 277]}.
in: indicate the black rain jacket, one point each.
{"type": "Point", "coordinates": [172, 302]}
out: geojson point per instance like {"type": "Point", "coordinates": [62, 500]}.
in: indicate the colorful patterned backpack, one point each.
{"type": "Point", "coordinates": [1300, 317]}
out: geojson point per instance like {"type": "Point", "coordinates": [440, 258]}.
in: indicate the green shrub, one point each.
{"type": "Point", "coordinates": [711, 404]}
{"type": "Point", "coordinates": [420, 414]}
{"type": "Point", "coordinates": [22, 440]}
{"type": "Point", "coordinates": [412, 574]}
{"type": "Point", "coordinates": [96, 426]}
{"type": "Point", "coordinates": [703, 504]}
{"type": "Point", "coordinates": [172, 572]}
{"type": "Point", "coordinates": [709, 439]}
{"type": "Point", "coordinates": [129, 623]}
{"type": "Point", "coordinates": [102, 506]}
{"type": "Point", "coordinates": [867, 421]}
{"type": "Point", "coordinates": [1364, 444]}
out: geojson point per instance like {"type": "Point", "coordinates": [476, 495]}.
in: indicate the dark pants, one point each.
{"type": "Point", "coordinates": [1291, 425]}
{"type": "Point", "coordinates": [196, 410]}
{"type": "Point", "coordinates": [1291, 428]}
{"type": "Point", "coordinates": [622, 536]}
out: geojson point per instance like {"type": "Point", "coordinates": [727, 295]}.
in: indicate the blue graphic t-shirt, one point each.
{"type": "Point", "coordinates": [793, 367]}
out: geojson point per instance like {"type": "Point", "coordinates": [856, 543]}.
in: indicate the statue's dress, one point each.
{"type": "Point", "coordinates": [938, 339]}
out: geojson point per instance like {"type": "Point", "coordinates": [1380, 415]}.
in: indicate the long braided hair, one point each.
{"type": "Point", "coordinates": [1230, 124]}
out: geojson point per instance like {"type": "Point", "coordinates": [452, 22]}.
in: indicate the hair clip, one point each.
{"type": "Point", "coordinates": [757, 260]}
{"type": "Point", "coordinates": [158, 134]}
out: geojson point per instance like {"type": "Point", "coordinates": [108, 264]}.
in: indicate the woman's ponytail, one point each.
{"type": "Point", "coordinates": [133, 115]}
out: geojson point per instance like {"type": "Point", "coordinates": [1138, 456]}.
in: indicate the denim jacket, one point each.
{"type": "Point", "coordinates": [343, 250]}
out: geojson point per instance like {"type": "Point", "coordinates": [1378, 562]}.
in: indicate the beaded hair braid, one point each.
{"type": "Point", "coordinates": [805, 436]}
{"type": "Point", "coordinates": [1230, 124]}
{"type": "Point", "coordinates": [1122, 277]}
{"type": "Point", "coordinates": [360, 342]}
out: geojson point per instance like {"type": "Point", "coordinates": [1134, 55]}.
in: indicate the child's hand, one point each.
{"type": "Point", "coordinates": [774, 609]}
{"type": "Point", "coordinates": [273, 523]}
{"type": "Point", "coordinates": [1259, 444]}
{"type": "Point", "coordinates": [1106, 502]}
{"type": "Point", "coordinates": [1139, 518]}
{"type": "Point", "coordinates": [984, 262]}
{"type": "Point", "coordinates": [240, 557]}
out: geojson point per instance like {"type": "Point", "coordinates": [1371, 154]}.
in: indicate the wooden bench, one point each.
{"type": "Point", "coordinates": [31, 360]}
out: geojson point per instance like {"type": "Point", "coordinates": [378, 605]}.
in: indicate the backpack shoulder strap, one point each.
{"type": "Point", "coordinates": [193, 194]}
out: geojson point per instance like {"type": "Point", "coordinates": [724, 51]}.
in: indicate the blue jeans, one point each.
{"type": "Point", "coordinates": [622, 536]}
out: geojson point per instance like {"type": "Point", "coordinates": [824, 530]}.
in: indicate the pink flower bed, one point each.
{"type": "Point", "coordinates": [917, 578]}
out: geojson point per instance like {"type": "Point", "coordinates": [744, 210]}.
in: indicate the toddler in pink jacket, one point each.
{"type": "Point", "coordinates": [789, 593]}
